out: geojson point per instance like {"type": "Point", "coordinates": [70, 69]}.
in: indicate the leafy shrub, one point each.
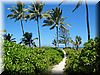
{"type": "Point", "coordinates": [20, 60]}
{"type": "Point", "coordinates": [82, 61]}
{"type": "Point", "coordinates": [97, 40]}
{"type": "Point", "coordinates": [72, 61]}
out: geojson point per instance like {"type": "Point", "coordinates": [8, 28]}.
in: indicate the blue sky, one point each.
{"type": "Point", "coordinates": [76, 19]}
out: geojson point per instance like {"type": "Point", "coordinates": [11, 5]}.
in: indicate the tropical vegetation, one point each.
{"type": "Point", "coordinates": [27, 40]}
{"type": "Point", "coordinates": [28, 58]}
{"type": "Point", "coordinates": [20, 60]}
{"type": "Point", "coordinates": [82, 61]}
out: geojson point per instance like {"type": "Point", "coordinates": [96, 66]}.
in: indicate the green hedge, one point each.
{"type": "Point", "coordinates": [82, 61]}
{"type": "Point", "coordinates": [20, 59]}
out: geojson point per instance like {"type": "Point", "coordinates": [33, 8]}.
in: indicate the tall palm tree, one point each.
{"type": "Point", "coordinates": [18, 13]}
{"type": "Point", "coordinates": [27, 39]}
{"type": "Point", "coordinates": [53, 20]}
{"type": "Point", "coordinates": [87, 14]}
{"type": "Point", "coordinates": [35, 13]}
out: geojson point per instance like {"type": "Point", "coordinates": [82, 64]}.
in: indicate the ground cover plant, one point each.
{"type": "Point", "coordinates": [19, 59]}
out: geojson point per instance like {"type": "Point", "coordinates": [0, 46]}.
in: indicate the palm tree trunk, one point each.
{"type": "Point", "coordinates": [57, 36]}
{"type": "Point", "coordinates": [87, 20]}
{"type": "Point", "coordinates": [22, 27]}
{"type": "Point", "coordinates": [38, 32]}
{"type": "Point", "coordinates": [29, 45]}
{"type": "Point", "coordinates": [65, 45]}
{"type": "Point", "coordinates": [76, 47]}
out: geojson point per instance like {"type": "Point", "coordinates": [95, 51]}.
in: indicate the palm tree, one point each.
{"type": "Point", "coordinates": [78, 41]}
{"type": "Point", "coordinates": [35, 13]}
{"type": "Point", "coordinates": [18, 13]}
{"type": "Point", "coordinates": [53, 20]}
{"type": "Point", "coordinates": [87, 14]}
{"type": "Point", "coordinates": [9, 37]}
{"type": "Point", "coordinates": [27, 39]}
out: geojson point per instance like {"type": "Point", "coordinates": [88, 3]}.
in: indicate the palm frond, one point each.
{"type": "Point", "coordinates": [52, 27]}
{"type": "Point", "coordinates": [69, 25]}
{"type": "Point", "coordinates": [35, 39]}
{"type": "Point", "coordinates": [45, 15]}
{"type": "Point", "coordinates": [45, 25]}
{"type": "Point", "coordinates": [61, 3]}
{"type": "Point", "coordinates": [10, 16]}
{"type": "Point", "coordinates": [63, 27]}
{"type": "Point", "coordinates": [13, 38]}
{"type": "Point", "coordinates": [77, 5]}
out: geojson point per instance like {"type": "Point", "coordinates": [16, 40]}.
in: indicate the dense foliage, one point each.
{"type": "Point", "coordinates": [9, 37]}
{"type": "Point", "coordinates": [20, 59]}
{"type": "Point", "coordinates": [97, 40]}
{"type": "Point", "coordinates": [82, 61]}
{"type": "Point", "coordinates": [28, 40]}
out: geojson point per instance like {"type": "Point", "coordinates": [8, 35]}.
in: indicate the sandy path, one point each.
{"type": "Point", "coordinates": [58, 69]}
